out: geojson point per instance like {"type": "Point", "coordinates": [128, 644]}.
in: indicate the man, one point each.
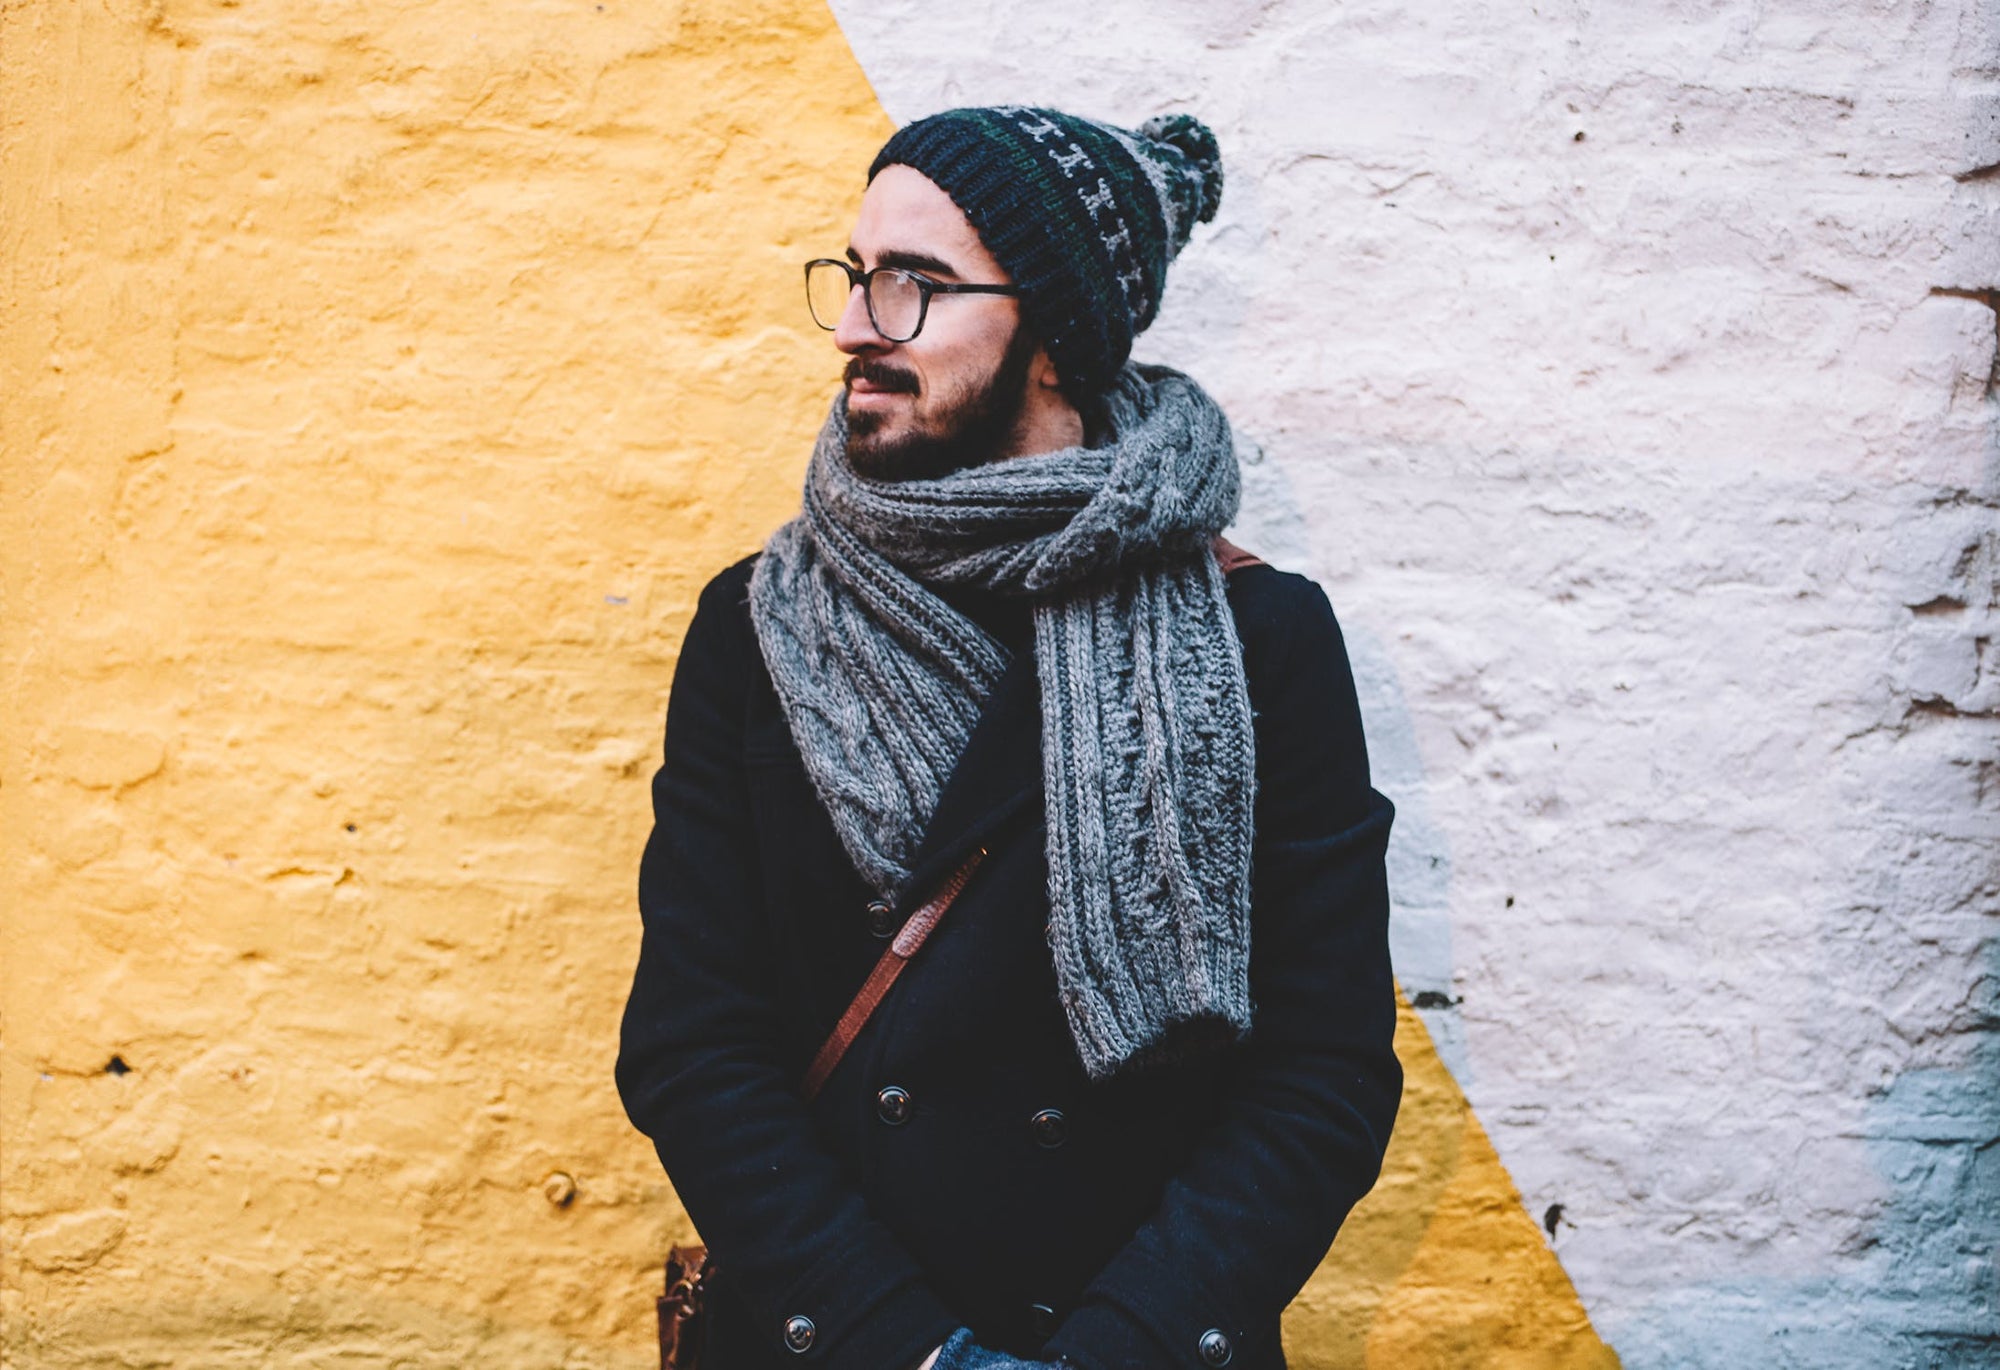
{"type": "Point", "coordinates": [1141, 1068]}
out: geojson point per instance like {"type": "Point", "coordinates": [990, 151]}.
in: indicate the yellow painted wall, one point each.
{"type": "Point", "coordinates": [378, 385]}
{"type": "Point", "coordinates": [1440, 1266]}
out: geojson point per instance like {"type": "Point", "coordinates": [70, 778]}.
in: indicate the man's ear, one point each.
{"type": "Point", "coordinates": [1042, 372]}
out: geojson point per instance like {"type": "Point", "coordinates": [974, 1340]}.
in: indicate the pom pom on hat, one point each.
{"type": "Point", "coordinates": [1195, 141]}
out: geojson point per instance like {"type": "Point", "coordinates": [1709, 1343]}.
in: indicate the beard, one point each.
{"type": "Point", "coordinates": [969, 428]}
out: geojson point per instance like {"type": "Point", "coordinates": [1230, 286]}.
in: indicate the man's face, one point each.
{"type": "Point", "coordinates": [952, 396]}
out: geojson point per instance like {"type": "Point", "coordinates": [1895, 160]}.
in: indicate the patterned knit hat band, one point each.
{"type": "Point", "coordinates": [1082, 215]}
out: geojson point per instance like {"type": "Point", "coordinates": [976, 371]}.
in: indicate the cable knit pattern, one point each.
{"type": "Point", "coordinates": [1147, 755]}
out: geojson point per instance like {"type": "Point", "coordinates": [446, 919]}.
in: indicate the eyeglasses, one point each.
{"type": "Point", "coordinates": [898, 300]}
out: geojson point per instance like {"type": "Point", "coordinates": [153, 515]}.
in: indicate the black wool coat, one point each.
{"type": "Point", "coordinates": [1161, 1218]}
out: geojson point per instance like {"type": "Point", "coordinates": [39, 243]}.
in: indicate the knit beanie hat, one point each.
{"type": "Point", "coordinates": [1083, 216]}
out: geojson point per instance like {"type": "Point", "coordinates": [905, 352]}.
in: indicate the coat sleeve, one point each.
{"type": "Point", "coordinates": [699, 1064]}
{"type": "Point", "coordinates": [1306, 1118]}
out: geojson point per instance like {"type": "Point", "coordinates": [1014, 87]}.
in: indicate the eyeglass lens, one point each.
{"type": "Point", "coordinates": [895, 300]}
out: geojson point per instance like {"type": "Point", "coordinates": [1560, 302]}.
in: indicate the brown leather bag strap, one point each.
{"type": "Point", "coordinates": [1230, 557]}
{"type": "Point", "coordinates": [688, 1269]}
{"type": "Point", "coordinates": [875, 988]}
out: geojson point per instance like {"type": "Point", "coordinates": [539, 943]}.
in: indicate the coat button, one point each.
{"type": "Point", "coordinates": [1050, 1127]}
{"type": "Point", "coordinates": [881, 918]}
{"type": "Point", "coordinates": [892, 1105]}
{"type": "Point", "coordinates": [799, 1332]}
{"type": "Point", "coordinates": [1041, 1321]}
{"type": "Point", "coordinates": [1215, 1348]}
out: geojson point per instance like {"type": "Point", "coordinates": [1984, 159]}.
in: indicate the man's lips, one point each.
{"type": "Point", "coordinates": [863, 400]}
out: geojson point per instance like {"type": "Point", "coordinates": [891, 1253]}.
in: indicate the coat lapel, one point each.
{"type": "Point", "coordinates": [997, 774]}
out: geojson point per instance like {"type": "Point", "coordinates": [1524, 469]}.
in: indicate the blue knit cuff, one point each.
{"type": "Point", "coordinates": [963, 1353]}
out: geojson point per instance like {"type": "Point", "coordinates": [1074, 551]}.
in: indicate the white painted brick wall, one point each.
{"type": "Point", "coordinates": [1627, 375]}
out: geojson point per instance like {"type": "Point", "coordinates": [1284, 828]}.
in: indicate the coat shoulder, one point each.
{"type": "Point", "coordinates": [720, 644]}
{"type": "Point", "coordinates": [1312, 756]}
{"type": "Point", "coordinates": [726, 597]}
{"type": "Point", "coordinates": [1275, 610]}
{"type": "Point", "coordinates": [731, 585]}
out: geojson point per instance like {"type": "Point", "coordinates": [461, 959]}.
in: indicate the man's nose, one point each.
{"type": "Point", "coordinates": [856, 332]}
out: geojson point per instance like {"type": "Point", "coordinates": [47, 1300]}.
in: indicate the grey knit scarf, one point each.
{"type": "Point", "coordinates": [1147, 758]}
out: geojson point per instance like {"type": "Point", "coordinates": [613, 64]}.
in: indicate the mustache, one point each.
{"type": "Point", "coordinates": [880, 375]}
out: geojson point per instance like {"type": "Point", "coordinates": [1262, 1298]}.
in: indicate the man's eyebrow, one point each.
{"type": "Point", "coordinates": [905, 259]}
{"type": "Point", "coordinates": [916, 261]}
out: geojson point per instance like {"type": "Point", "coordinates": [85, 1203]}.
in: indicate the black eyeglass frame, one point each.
{"type": "Point", "coordinates": [926, 287]}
